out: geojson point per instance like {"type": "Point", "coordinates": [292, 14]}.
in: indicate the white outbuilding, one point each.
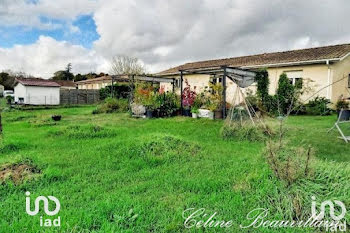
{"type": "Point", "coordinates": [35, 91]}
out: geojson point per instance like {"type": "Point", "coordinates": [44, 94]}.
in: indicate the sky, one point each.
{"type": "Point", "coordinates": [40, 37]}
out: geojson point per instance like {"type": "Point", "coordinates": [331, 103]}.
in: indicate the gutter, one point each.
{"type": "Point", "coordinates": [295, 63]}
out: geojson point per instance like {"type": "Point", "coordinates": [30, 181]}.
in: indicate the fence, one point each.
{"type": "Point", "coordinates": [79, 96]}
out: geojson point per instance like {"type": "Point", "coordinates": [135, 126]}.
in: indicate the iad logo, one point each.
{"type": "Point", "coordinates": [337, 225]}
{"type": "Point", "coordinates": [321, 215]}
{"type": "Point", "coordinates": [44, 222]}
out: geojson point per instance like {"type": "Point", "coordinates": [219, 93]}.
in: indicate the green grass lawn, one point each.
{"type": "Point", "coordinates": [101, 167]}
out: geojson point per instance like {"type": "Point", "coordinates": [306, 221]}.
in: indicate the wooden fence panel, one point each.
{"type": "Point", "coordinates": [79, 96]}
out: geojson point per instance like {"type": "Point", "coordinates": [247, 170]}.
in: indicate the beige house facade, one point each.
{"type": "Point", "coordinates": [95, 84]}
{"type": "Point", "coordinates": [323, 71]}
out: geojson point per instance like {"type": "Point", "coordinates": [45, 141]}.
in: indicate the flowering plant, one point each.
{"type": "Point", "coordinates": [188, 95]}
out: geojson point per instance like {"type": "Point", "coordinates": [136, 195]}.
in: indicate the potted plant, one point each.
{"type": "Point", "coordinates": [194, 111]}
{"type": "Point", "coordinates": [197, 103]}
{"type": "Point", "coordinates": [216, 99]}
{"type": "Point", "coordinates": [342, 104]}
{"type": "Point", "coordinates": [212, 107]}
{"type": "Point", "coordinates": [151, 103]}
{"type": "Point", "coordinates": [188, 97]}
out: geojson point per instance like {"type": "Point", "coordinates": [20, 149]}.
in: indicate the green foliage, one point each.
{"type": "Point", "coordinates": [7, 80]}
{"type": "Point", "coordinates": [84, 132]}
{"type": "Point", "coordinates": [63, 75]}
{"type": "Point", "coordinates": [262, 79]}
{"type": "Point", "coordinates": [166, 104]}
{"type": "Point", "coordinates": [318, 106]}
{"type": "Point", "coordinates": [120, 91]}
{"type": "Point", "coordinates": [160, 168]}
{"type": "Point", "coordinates": [216, 98]}
{"type": "Point", "coordinates": [286, 95]}
{"type": "Point", "coordinates": [111, 105]}
{"type": "Point", "coordinates": [342, 104]}
{"type": "Point", "coordinates": [239, 131]}
{"type": "Point", "coordinates": [163, 104]}
{"type": "Point", "coordinates": [289, 164]}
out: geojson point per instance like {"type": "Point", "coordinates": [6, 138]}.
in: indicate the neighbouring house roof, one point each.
{"type": "Point", "coordinates": [102, 79]}
{"type": "Point", "coordinates": [37, 82]}
{"type": "Point", "coordinates": [65, 83]}
{"type": "Point", "coordinates": [333, 53]}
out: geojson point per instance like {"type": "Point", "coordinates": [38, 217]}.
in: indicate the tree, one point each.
{"type": "Point", "coordinates": [64, 74]}
{"type": "Point", "coordinates": [69, 67]}
{"type": "Point", "coordinates": [7, 78]}
{"type": "Point", "coordinates": [123, 64]}
{"type": "Point", "coordinates": [286, 94]}
{"type": "Point", "coordinates": [262, 79]}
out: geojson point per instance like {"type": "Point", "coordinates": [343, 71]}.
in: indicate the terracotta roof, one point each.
{"type": "Point", "coordinates": [301, 55]}
{"type": "Point", "coordinates": [101, 79]}
{"type": "Point", "coordinates": [37, 82]}
{"type": "Point", "coordinates": [65, 83]}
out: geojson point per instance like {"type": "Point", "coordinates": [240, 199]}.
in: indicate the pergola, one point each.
{"type": "Point", "coordinates": [241, 77]}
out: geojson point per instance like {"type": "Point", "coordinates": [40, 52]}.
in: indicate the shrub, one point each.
{"type": "Point", "coordinates": [188, 95]}
{"type": "Point", "coordinates": [262, 79]}
{"type": "Point", "coordinates": [341, 104]}
{"type": "Point", "coordinates": [166, 104]}
{"type": "Point", "coordinates": [286, 94]}
{"type": "Point", "coordinates": [318, 106]}
{"type": "Point", "coordinates": [112, 105]}
{"type": "Point", "coordinates": [119, 91]}
{"type": "Point", "coordinates": [242, 131]}
{"type": "Point", "coordinates": [289, 164]}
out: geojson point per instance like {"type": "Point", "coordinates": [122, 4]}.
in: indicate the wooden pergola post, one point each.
{"type": "Point", "coordinates": [224, 94]}
{"type": "Point", "coordinates": [181, 90]}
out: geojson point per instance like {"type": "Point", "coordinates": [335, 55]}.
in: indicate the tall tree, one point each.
{"type": "Point", "coordinates": [64, 74]}
{"type": "Point", "coordinates": [123, 64]}
{"type": "Point", "coordinates": [69, 67]}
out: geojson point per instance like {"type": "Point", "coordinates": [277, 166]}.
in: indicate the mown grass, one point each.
{"type": "Point", "coordinates": [106, 169]}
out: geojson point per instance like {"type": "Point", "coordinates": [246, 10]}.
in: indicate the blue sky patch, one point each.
{"type": "Point", "coordinates": [82, 31]}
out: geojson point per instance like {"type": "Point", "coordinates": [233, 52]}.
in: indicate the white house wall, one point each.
{"type": "Point", "coordinates": [20, 92]}
{"type": "Point", "coordinates": [34, 95]}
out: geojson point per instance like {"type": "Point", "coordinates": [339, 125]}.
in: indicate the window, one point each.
{"type": "Point", "coordinates": [20, 100]}
{"type": "Point", "coordinates": [349, 81]}
{"type": "Point", "coordinates": [215, 79]}
{"type": "Point", "coordinates": [295, 78]}
{"type": "Point", "coordinates": [177, 83]}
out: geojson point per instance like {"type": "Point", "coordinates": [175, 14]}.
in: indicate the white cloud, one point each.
{"type": "Point", "coordinates": [168, 33]}
{"type": "Point", "coordinates": [26, 13]}
{"type": "Point", "coordinates": [47, 55]}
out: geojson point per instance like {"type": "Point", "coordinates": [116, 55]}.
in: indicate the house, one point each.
{"type": "Point", "coordinates": [66, 84]}
{"type": "Point", "coordinates": [325, 71]}
{"type": "Point", "coordinates": [100, 82]}
{"type": "Point", "coordinates": [35, 91]}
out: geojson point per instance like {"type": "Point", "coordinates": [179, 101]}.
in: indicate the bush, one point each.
{"type": "Point", "coordinates": [285, 94]}
{"type": "Point", "coordinates": [341, 104]}
{"type": "Point", "coordinates": [318, 106]}
{"type": "Point", "coordinates": [289, 164]}
{"type": "Point", "coordinates": [167, 104]}
{"type": "Point", "coordinates": [119, 91]}
{"type": "Point", "coordinates": [112, 105]}
{"type": "Point", "coordinates": [242, 131]}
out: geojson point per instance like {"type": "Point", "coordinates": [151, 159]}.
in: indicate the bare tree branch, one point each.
{"type": "Point", "coordinates": [125, 65]}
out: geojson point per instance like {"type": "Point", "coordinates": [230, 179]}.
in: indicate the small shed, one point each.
{"type": "Point", "coordinates": [35, 91]}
